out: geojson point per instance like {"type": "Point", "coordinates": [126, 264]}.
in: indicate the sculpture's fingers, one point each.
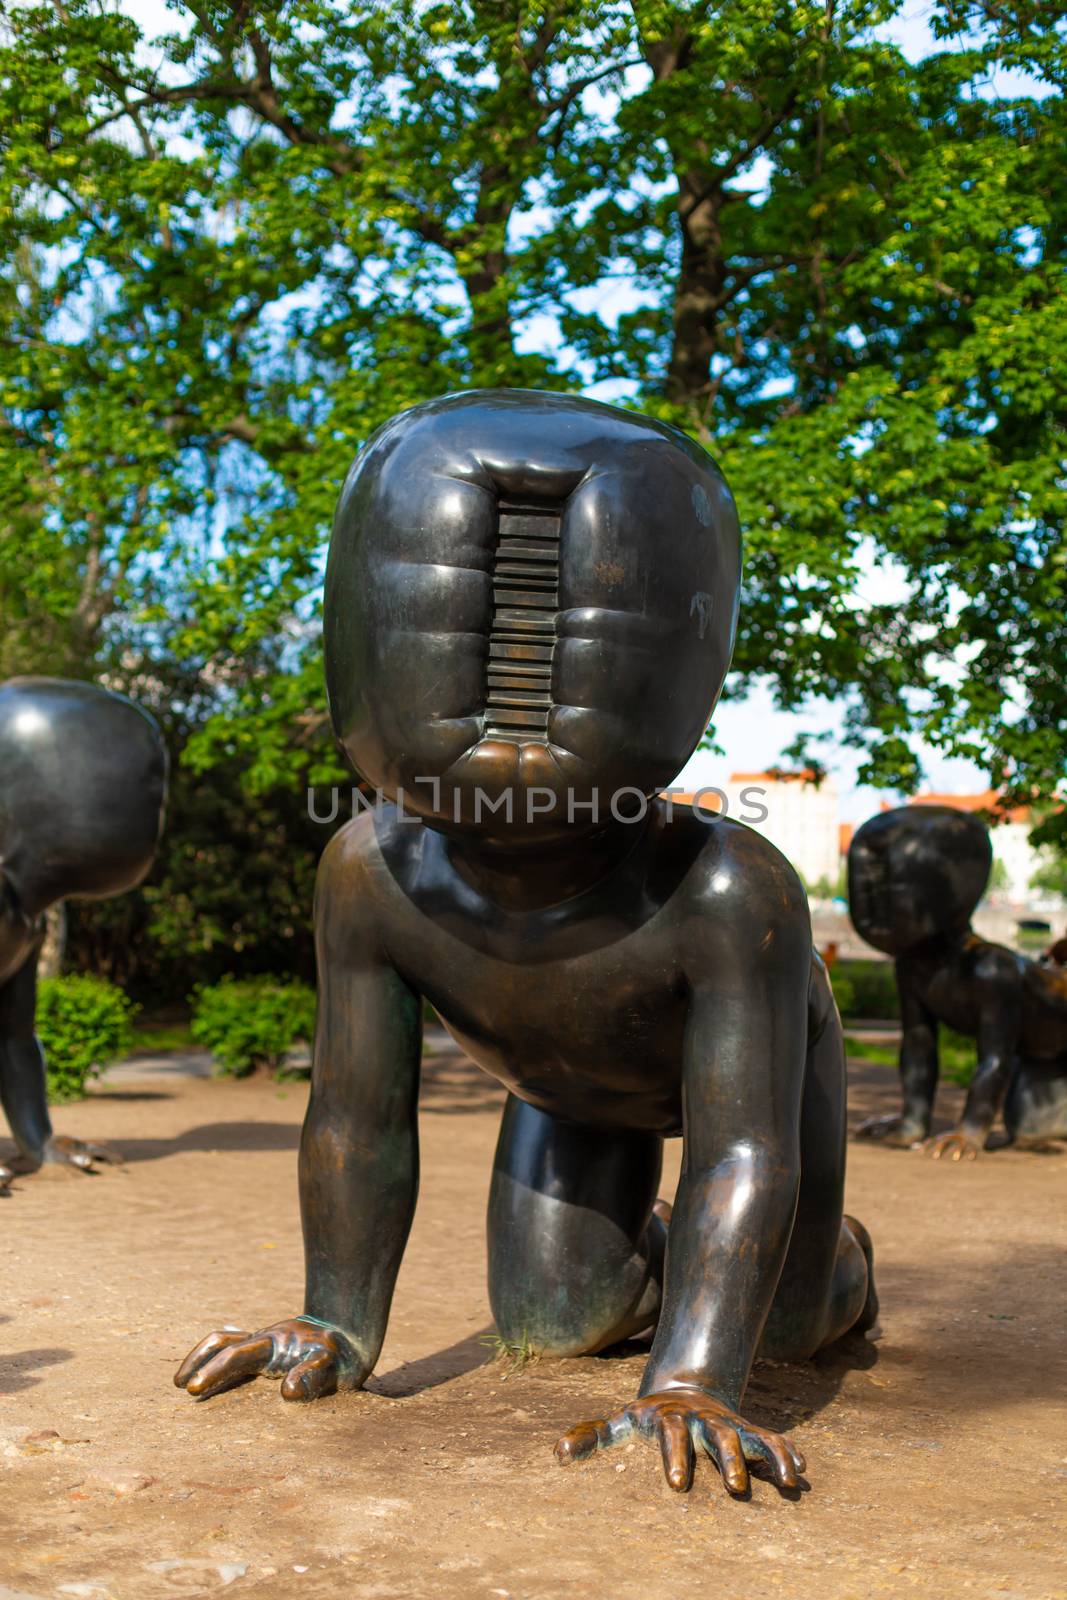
{"type": "Point", "coordinates": [583, 1439]}
{"type": "Point", "coordinates": [6, 1176]}
{"type": "Point", "coordinates": [241, 1360]}
{"type": "Point", "coordinates": [724, 1447]}
{"type": "Point", "coordinates": [676, 1447]}
{"type": "Point", "coordinates": [312, 1378]}
{"type": "Point", "coordinates": [775, 1451]}
{"type": "Point", "coordinates": [80, 1159]}
{"type": "Point", "coordinates": [209, 1346]}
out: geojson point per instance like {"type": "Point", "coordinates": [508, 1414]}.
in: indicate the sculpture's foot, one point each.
{"type": "Point", "coordinates": [900, 1133]}
{"type": "Point", "coordinates": [62, 1151]}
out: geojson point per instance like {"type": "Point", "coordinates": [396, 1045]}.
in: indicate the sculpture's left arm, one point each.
{"type": "Point", "coordinates": [748, 960]}
{"type": "Point", "coordinates": [745, 1048]}
{"type": "Point", "coordinates": [999, 1027]}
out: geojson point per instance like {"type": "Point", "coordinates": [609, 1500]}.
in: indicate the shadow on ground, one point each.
{"type": "Point", "coordinates": [17, 1370]}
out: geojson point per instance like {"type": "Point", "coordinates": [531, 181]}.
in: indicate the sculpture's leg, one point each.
{"type": "Point", "coordinates": [575, 1252]}
{"type": "Point", "coordinates": [23, 1085]}
{"type": "Point", "coordinates": [22, 1071]}
{"type": "Point", "coordinates": [918, 1075]}
{"type": "Point", "coordinates": [827, 1283]}
{"type": "Point", "coordinates": [1036, 1104]}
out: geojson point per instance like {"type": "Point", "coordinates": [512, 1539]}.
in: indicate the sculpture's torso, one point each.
{"type": "Point", "coordinates": [958, 981]}
{"type": "Point", "coordinates": [579, 1008]}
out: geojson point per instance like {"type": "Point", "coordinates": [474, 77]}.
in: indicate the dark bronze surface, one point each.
{"type": "Point", "coordinates": [82, 787]}
{"type": "Point", "coordinates": [915, 876]}
{"type": "Point", "coordinates": [536, 596]}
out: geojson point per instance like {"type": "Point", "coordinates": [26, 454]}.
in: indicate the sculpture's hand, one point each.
{"type": "Point", "coordinates": [6, 1176]}
{"type": "Point", "coordinates": [679, 1419]}
{"type": "Point", "coordinates": [899, 1132]}
{"type": "Point", "coordinates": [957, 1145]}
{"type": "Point", "coordinates": [311, 1358]}
{"type": "Point", "coordinates": [60, 1150]}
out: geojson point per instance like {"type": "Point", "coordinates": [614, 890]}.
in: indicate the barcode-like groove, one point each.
{"type": "Point", "coordinates": [522, 635]}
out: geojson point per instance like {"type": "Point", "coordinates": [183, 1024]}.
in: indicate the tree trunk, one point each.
{"type": "Point", "coordinates": [50, 961]}
{"type": "Point", "coordinates": [698, 295]}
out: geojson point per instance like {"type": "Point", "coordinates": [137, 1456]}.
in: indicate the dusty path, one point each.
{"type": "Point", "coordinates": [942, 1467]}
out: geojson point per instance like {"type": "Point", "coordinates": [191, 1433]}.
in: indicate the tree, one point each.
{"type": "Point", "coordinates": [1051, 876]}
{"type": "Point", "coordinates": [233, 252]}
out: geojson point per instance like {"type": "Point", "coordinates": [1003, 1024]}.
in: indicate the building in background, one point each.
{"type": "Point", "coordinates": [793, 810]}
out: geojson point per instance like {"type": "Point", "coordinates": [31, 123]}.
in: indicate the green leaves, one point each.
{"type": "Point", "coordinates": [84, 1024]}
{"type": "Point", "coordinates": [232, 253]}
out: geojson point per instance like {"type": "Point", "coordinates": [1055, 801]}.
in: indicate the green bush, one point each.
{"type": "Point", "coordinates": [844, 993]}
{"type": "Point", "coordinates": [957, 1056]}
{"type": "Point", "coordinates": [252, 1022]}
{"type": "Point", "coordinates": [866, 989]}
{"type": "Point", "coordinates": [83, 1023]}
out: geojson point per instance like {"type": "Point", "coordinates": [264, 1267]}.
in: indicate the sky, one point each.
{"type": "Point", "coordinates": [752, 731]}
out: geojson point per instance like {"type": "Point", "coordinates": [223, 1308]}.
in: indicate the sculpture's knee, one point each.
{"type": "Point", "coordinates": [1036, 1103]}
{"type": "Point", "coordinates": [801, 1323]}
{"type": "Point", "coordinates": [573, 1285]}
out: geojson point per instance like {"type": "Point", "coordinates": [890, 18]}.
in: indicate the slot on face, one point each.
{"type": "Point", "coordinates": [522, 635]}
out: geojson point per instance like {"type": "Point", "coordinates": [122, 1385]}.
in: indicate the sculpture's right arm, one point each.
{"type": "Point", "coordinates": [359, 1149]}
{"type": "Point", "coordinates": [22, 1069]}
{"type": "Point", "coordinates": [358, 1154]}
{"type": "Point", "coordinates": [919, 1071]}
{"type": "Point", "coordinates": [919, 1062]}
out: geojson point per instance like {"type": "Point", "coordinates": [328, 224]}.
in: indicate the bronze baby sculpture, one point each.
{"type": "Point", "coordinates": [530, 608]}
{"type": "Point", "coordinates": [82, 786]}
{"type": "Point", "coordinates": [915, 876]}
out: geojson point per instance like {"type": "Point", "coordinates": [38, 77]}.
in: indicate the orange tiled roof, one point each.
{"type": "Point", "coordinates": [987, 800]}
{"type": "Point", "coordinates": [776, 775]}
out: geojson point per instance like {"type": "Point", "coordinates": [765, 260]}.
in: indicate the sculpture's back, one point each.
{"type": "Point", "coordinates": [83, 775]}
{"type": "Point", "coordinates": [83, 779]}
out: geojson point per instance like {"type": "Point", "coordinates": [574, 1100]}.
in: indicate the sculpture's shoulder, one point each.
{"type": "Point", "coordinates": [736, 891]}
{"type": "Point", "coordinates": [357, 877]}
{"type": "Point", "coordinates": [994, 963]}
{"type": "Point", "coordinates": [1047, 985]}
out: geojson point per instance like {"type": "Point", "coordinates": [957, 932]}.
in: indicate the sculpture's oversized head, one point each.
{"type": "Point", "coordinates": [916, 872]}
{"type": "Point", "coordinates": [530, 608]}
{"type": "Point", "coordinates": [83, 776]}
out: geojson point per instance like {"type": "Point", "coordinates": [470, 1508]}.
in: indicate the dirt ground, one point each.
{"type": "Point", "coordinates": [937, 1462]}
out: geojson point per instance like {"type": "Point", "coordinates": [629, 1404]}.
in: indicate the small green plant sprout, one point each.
{"type": "Point", "coordinates": [512, 1354]}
